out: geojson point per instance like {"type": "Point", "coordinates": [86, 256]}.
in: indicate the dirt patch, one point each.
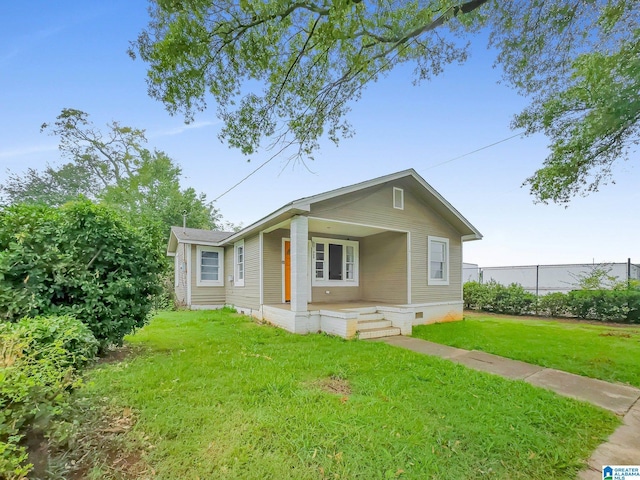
{"type": "Point", "coordinates": [339, 386]}
{"type": "Point", "coordinates": [119, 354]}
{"type": "Point", "coordinates": [615, 334]}
{"type": "Point", "coordinates": [100, 444]}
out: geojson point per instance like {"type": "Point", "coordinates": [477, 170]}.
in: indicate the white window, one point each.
{"type": "Point", "coordinates": [398, 198]}
{"type": "Point", "coordinates": [335, 262]}
{"type": "Point", "coordinates": [209, 266]}
{"type": "Point", "coordinates": [438, 258]}
{"type": "Point", "coordinates": [239, 264]}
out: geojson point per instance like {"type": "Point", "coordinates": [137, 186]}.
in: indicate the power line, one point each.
{"type": "Point", "coordinates": [431, 166]}
{"type": "Point", "coordinates": [474, 151]}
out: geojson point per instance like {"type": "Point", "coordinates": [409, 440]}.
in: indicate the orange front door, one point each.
{"type": "Point", "coordinates": [287, 271]}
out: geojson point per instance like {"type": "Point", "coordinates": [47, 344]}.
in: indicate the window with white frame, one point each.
{"type": "Point", "coordinates": [239, 264]}
{"type": "Point", "coordinates": [209, 266]}
{"type": "Point", "coordinates": [438, 258]}
{"type": "Point", "coordinates": [335, 262]}
{"type": "Point", "coordinates": [398, 198]}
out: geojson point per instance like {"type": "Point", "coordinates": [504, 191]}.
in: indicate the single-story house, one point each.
{"type": "Point", "coordinates": [370, 259]}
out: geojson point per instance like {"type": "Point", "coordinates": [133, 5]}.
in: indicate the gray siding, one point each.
{"type": "Point", "coordinates": [336, 294]}
{"type": "Point", "coordinates": [383, 267]}
{"type": "Point", "coordinates": [203, 295]}
{"type": "Point", "coordinates": [374, 206]}
{"type": "Point", "coordinates": [180, 274]}
{"type": "Point", "coordinates": [273, 265]}
{"type": "Point", "coordinates": [249, 295]}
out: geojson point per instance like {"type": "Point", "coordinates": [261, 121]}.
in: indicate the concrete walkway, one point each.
{"type": "Point", "coordinates": [621, 448]}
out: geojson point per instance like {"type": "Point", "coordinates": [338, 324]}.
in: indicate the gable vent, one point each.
{"type": "Point", "coordinates": [398, 198]}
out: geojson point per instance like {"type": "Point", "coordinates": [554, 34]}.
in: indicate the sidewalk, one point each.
{"type": "Point", "coordinates": [622, 447]}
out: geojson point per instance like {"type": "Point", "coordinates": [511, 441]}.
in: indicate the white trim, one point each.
{"type": "Point", "coordinates": [408, 267]}
{"type": "Point", "coordinates": [210, 283]}
{"type": "Point", "coordinates": [326, 282]}
{"type": "Point", "coordinates": [437, 281]}
{"type": "Point", "coordinates": [237, 281]}
{"type": "Point", "coordinates": [401, 205]}
{"type": "Point", "coordinates": [261, 267]}
{"type": "Point", "coordinates": [309, 271]}
{"type": "Point", "coordinates": [189, 267]}
{"type": "Point", "coordinates": [284, 239]}
{"type": "Point", "coordinates": [461, 268]}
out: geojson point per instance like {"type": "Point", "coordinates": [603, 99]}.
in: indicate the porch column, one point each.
{"type": "Point", "coordinates": [299, 263]}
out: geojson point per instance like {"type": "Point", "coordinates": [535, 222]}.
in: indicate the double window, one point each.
{"type": "Point", "coordinates": [335, 262]}
{"type": "Point", "coordinates": [239, 263]}
{"type": "Point", "coordinates": [438, 258]}
{"type": "Point", "coordinates": [209, 266]}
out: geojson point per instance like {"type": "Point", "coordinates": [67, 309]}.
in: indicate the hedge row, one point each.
{"type": "Point", "coordinates": [40, 362]}
{"type": "Point", "coordinates": [604, 305]}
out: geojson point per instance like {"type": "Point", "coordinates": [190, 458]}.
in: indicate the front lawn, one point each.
{"type": "Point", "coordinates": [219, 396]}
{"type": "Point", "coordinates": [609, 353]}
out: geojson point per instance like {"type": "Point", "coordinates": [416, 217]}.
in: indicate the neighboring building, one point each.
{"type": "Point", "coordinates": [545, 279]}
{"type": "Point", "coordinates": [371, 259]}
{"type": "Point", "coordinates": [470, 272]}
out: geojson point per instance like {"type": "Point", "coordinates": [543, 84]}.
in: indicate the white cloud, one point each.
{"type": "Point", "coordinates": [22, 151]}
{"type": "Point", "coordinates": [184, 128]}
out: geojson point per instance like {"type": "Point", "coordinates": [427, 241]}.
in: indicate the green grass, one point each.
{"type": "Point", "coordinates": [219, 396]}
{"type": "Point", "coordinates": [609, 353]}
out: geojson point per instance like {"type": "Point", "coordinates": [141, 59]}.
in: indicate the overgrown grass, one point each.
{"type": "Point", "coordinates": [219, 396]}
{"type": "Point", "coordinates": [609, 353]}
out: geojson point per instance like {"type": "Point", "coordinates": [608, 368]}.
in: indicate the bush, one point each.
{"type": "Point", "coordinates": [80, 259]}
{"type": "Point", "coordinates": [39, 362]}
{"type": "Point", "coordinates": [553, 305]}
{"type": "Point", "coordinates": [606, 305]}
{"type": "Point", "coordinates": [494, 297]}
{"type": "Point", "coordinates": [473, 295]}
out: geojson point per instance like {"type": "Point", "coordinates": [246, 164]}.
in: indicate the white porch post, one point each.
{"type": "Point", "coordinates": [299, 263]}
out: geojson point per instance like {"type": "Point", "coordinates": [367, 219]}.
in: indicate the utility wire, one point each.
{"type": "Point", "coordinates": [474, 151]}
{"type": "Point", "coordinates": [427, 168]}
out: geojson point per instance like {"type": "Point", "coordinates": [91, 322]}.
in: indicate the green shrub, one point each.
{"type": "Point", "coordinates": [606, 305]}
{"type": "Point", "coordinates": [80, 259]}
{"type": "Point", "coordinates": [39, 362]}
{"type": "Point", "coordinates": [473, 295]}
{"type": "Point", "coordinates": [494, 297]}
{"type": "Point", "coordinates": [553, 305]}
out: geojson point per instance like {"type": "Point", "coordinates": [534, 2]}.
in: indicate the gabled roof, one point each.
{"type": "Point", "coordinates": [303, 205]}
{"type": "Point", "coordinates": [195, 236]}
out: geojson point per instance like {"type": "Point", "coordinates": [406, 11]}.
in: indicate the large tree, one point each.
{"type": "Point", "coordinates": [283, 72]}
{"type": "Point", "coordinates": [113, 167]}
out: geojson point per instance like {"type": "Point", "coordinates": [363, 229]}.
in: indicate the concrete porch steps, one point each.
{"type": "Point", "coordinates": [363, 317]}
{"type": "Point", "coordinates": [374, 325]}
{"type": "Point", "coordinates": [378, 332]}
{"type": "Point", "coordinates": [370, 324]}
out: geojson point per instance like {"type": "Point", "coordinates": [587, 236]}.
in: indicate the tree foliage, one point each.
{"type": "Point", "coordinates": [80, 259]}
{"type": "Point", "coordinates": [113, 167]}
{"type": "Point", "coordinates": [284, 73]}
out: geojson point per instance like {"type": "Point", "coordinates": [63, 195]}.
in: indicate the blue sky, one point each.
{"type": "Point", "coordinates": [73, 54]}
